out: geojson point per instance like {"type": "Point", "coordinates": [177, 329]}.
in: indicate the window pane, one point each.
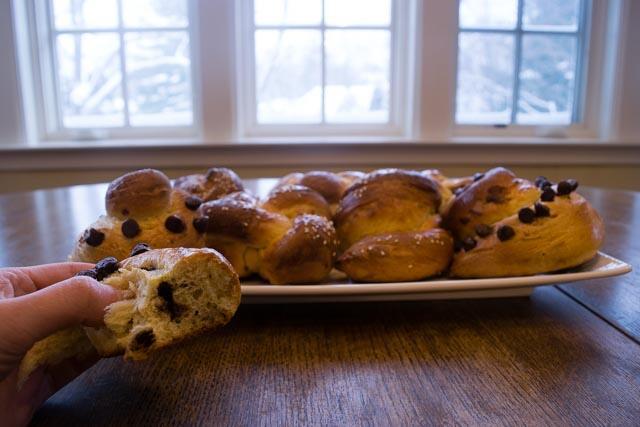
{"type": "Point", "coordinates": [357, 76]}
{"type": "Point", "coordinates": [288, 76]}
{"type": "Point", "coordinates": [485, 78]}
{"type": "Point", "coordinates": [547, 79]}
{"type": "Point", "coordinates": [551, 14]}
{"type": "Point", "coordinates": [488, 13]}
{"type": "Point", "coordinates": [90, 80]}
{"type": "Point", "coordinates": [288, 12]}
{"type": "Point", "coordinates": [154, 13]}
{"type": "Point", "coordinates": [158, 78]}
{"type": "Point", "coordinates": [357, 12]}
{"type": "Point", "coordinates": [73, 14]}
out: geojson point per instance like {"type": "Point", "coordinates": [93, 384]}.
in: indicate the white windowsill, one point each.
{"type": "Point", "coordinates": [316, 152]}
{"type": "Point", "coordinates": [188, 143]}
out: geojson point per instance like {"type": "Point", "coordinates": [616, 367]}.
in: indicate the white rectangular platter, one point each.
{"type": "Point", "coordinates": [341, 289]}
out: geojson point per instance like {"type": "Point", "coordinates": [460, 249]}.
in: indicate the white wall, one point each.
{"type": "Point", "coordinates": [10, 107]}
{"type": "Point", "coordinates": [629, 122]}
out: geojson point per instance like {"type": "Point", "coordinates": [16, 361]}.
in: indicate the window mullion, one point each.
{"type": "Point", "coordinates": [53, 49]}
{"type": "Point", "coordinates": [517, 63]}
{"type": "Point", "coordinates": [123, 67]}
{"type": "Point", "coordinates": [579, 71]}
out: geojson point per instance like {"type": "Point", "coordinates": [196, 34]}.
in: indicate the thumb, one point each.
{"type": "Point", "coordinates": [78, 300]}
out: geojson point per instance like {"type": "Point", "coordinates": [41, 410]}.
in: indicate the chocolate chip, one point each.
{"type": "Point", "coordinates": [130, 228]}
{"type": "Point", "coordinates": [165, 292]}
{"type": "Point", "coordinates": [483, 230]}
{"type": "Point", "coordinates": [539, 180]}
{"type": "Point", "coordinates": [93, 237]}
{"type": "Point", "coordinates": [469, 243]}
{"type": "Point", "coordinates": [174, 224]}
{"type": "Point", "coordinates": [201, 223]}
{"type": "Point", "coordinates": [477, 176]}
{"type": "Point", "coordinates": [143, 340]}
{"type": "Point", "coordinates": [566, 187]}
{"type": "Point", "coordinates": [496, 194]}
{"type": "Point", "coordinates": [457, 245]}
{"type": "Point", "coordinates": [125, 212]}
{"type": "Point", "coordinates": [542, 210]}
{"type": "Point", "coordinates": [465, 220]}
{"type": "Point", "coordinates": [140, 248]}
{"type": "Point", "coordinates": [505, 233]}
{"type": "Point", "coordinates": [526, 215]}
{"type": "Point", "coordinates": [192, 202]}
{"type": "Point", "coordinates": [105, 267]}
{"type": "Point", "coordinates": [89, 273]}
{"type": "Point", "coordinates": [543, 183]}
{"type": "Point", "coordinates": [548, 195]}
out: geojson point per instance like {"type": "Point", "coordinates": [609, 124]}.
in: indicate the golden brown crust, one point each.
{"type": "Point", "coordinates": [216, 183]}
{"type": "Point", "coordinates": [570, 236]}
{"type": "Point", "coordinates": [280, 249]}
{"type": "Point", "coordinates": [396, 257]}
{"type": "Point", "coordinates": [304, 254]}
{"type": "Point", "coordinates": [452, 185]}
{"type": "Point", "coordinates": [330, 185]}
{"type": "Point", "coordinates": [294, 200]}
{"type": "Point", "coordinates": [139, 194]}
{"type": "Point", "coordinates": [142, 207]}
{"type": "Point", "coordinates": [240, 220]}
{"type": "Point", "coordinates": [497, 195]}
{"type": "Point", "coordinates": [387, 201]}
{"type": "Point", "coordinates": [386, 224]}
{"type": "Point", "coordinates": [350, 177]}
{"type": "Point", "coordinates": [152, 229]}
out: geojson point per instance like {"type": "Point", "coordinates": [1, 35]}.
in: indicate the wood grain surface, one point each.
{"type": "Point", "coordinates": [566, 355]}
{"type": "Point", "coordinates": [538, 361]}
{"type": "Point", "coordinates": [616, 299]}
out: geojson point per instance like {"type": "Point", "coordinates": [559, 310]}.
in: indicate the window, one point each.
{"type": "Point", "coordinates": [233, 70]}
{"type": "Point", "coordinates": [322, 64]}
{"type": "Point", "coordinates": [520, 62]}
{"type": "Point", "coordinates": [115, 64]}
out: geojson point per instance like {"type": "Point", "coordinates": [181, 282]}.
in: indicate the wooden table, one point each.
{"type": "Point", "coordinates": [566, 355]}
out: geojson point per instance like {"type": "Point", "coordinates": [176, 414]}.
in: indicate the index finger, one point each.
{"type": "Point", "coordinates": [29, 279]}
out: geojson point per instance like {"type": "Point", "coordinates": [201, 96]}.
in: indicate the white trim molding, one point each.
{"type": "Point", "coordinates": [316, 154]}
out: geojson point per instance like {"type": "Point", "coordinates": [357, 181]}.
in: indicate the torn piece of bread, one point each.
{"type": "Point", "coordinates": [176, 293]}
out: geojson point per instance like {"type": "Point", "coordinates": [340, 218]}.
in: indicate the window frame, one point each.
{"type": "Point", "coordinates": [430, 86]}
{"type": "Point", "coordinates": [587, 94]}
{"type": "Point", "coordinates": [400, 70]}
{"type": "Point", "coordinates": [44, 74]}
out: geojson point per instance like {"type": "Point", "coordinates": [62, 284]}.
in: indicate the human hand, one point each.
{"type": "Point", "coordinates": [34, 303]}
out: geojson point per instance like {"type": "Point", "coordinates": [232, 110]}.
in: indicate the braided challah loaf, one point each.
{"type": "Point", "coordinates": [387, 223]}
{"type": "Point", "coordinates": [388, 228]}
{"type": "Point", "coordinates": [275, 239]}
{"type": "Point", "coordinates": [507, 226]}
